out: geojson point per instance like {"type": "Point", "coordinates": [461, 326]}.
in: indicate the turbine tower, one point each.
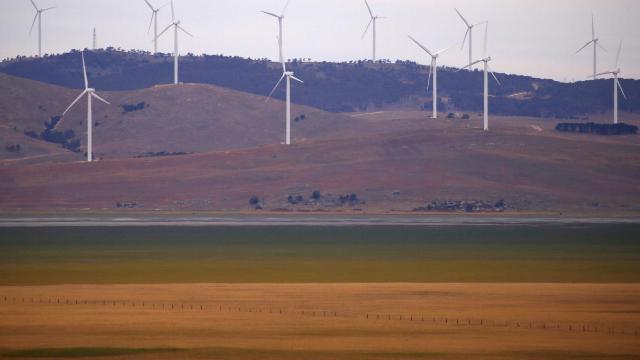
{"type": "Point", "coordinates": [434, 71]}
{"type": "Point", "coordinates": [487, 70]}
{"type": "Point", "coordinates": [288, 75]}
{"type": "Point", "coordinates": [176, 27]}
{"type": "Point", "coordinates": [91, 93]}
{"type": "Point", "coordinates": [594, 40]}
{"type": "Point", "coordinates": [469, 33]}
{"type": "Point", "coordinates": [154, 23]}
{"type": "Point", "coordinates": [374, 20]}
{"type": "Point", "coordinates": [38, 17]}
{"type": "Point", "coordinates": [95, 42]}
{"type": "Point", "coordinates": [616, 84]}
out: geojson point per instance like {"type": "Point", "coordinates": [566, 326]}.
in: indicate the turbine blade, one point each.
{"type": "Point", "coordinates": [173, 12]}
{"type": "Point", "coordinates": [601, 47]}
{"type": "Point", "coordinates": [462, 17]}
{"type": "Point", "coordinates": [185, 31]}
{"type": "Point", "coordinates": [34, 5]}
{"type": "Point", "coordinates": [470, 65]}
{"type": "Point", "coordinates": [99, 98]}
{"type": "Point", "coordinates": [420, 45]}
{"type": "Point", "coordinates": [165, 30]}
{"type": "Point", "coordinates": [369, 8]}
{"type": "Point", "coordinates": [84, 72]}
{"type": "Point", "coordinates": [618, 54]}
{"type": "Point", "coordinates": [153, 14]}
{"type": "Point", "coordinates": [47, 9]}
{"type": "Point", "coordinates": [165, 5]}
{"type": "Point", "coordinates": [33, 23]}
{"type": "Point", "coordinates": [585, 45]}
{"type": "Point", "coordinates": [149, 4]}
{"type": "Point", "coordinates": [367, 29]}
{"type": "Point", "coordinates": [429, 79]}
{"type": "Point", "coordinates": [494, 75]}
{"type": "Point", "coordinates": [284, 9]}
{"type": "Point", "coordinates": [481, 23]}
{"type": "Point", "coordinates": [593, 28]}
{"type": "Point", "coordinates": [465, 38]}
{"type": "Point", "coordinates": [603, 73]}
{"type": "Point", "coordinates": [621, 90]}
{"type": "Point", "coordinates": [270, 13]}
{"type": "Point", "coordinates": [74, 102]}
{"type": "Point", "coordinates": [486, 39]}
{"type": "Point", "coordinates": [275, 88]}
{"type": "Point", "coordinates": [296, 79]}
{"type": "Point", "coordinates": [443, 50]}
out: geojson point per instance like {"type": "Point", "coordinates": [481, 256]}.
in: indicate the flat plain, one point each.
{"type": "Point", "coordinates": [314, 292]}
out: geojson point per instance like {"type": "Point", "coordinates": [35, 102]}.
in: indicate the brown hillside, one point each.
{"type": "Point", "coordinates": [183, 118]}
{"type": "Point", "coordinates": [525, 163]}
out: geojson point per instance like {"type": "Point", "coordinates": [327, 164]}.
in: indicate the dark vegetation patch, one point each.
{"type": "Point", "coordinates": [128, 205]}
{"type": "Point", "coordinates": [13, 148]}
{"type": "Point", "coordinates": [126, 108]}
{"type": "Point", "coordinates": [162, 154]}
{"type": "Point", "coordinates": [463, 206]}
{"type": "Point", "coordinates": [317, 199]}
{"type": "Point", "coordinates": [598, 129]}
{"type": "Point", "coordinates": [64, 138]}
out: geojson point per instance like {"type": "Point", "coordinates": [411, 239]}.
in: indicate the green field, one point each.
{"type": "Point", "coordinates": [488, 253]}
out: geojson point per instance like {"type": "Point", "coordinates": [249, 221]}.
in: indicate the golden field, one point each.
{"type": "Point", "coordinates": [322, 321]}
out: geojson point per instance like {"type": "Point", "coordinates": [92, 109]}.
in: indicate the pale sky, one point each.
{"type": "Point", "coordinates": [527, 37]}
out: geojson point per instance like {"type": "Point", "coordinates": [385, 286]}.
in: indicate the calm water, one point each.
{"type": "Point", "coordinates": [567, 252]}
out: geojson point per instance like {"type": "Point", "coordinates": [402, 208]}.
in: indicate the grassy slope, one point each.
{"type": "Point", "coordinates": [606, 253]}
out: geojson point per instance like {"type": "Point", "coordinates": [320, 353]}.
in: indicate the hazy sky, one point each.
{"type": "Point", "coordinates": [530, 37]}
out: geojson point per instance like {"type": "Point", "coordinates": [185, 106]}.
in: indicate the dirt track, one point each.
{"type": "Point", "coordinates": [331, 321]}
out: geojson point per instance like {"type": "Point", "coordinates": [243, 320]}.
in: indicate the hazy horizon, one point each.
{"type": "Point", "coordinates": [525, 37]}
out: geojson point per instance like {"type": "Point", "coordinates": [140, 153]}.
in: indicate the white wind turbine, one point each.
{"type": "Point", "coordinates": [594, 40]}
{"type": "Point", "coordinates": [154, 23]}
{"type": "Point", "coordinates": [91, 93]}
{"type": "Point", "coordinates": [616, 84]}
{"type": "Point", "coordinates": [487, 70]}
{"type": "Point", "coordinates": [434, 71]}
{"type": "Point", "coordinates": [469, 33]}
{"type": "Point", "coordinates": [176, 26]}
{"type": "Point", "coordinates": [289, 75]}
{"type": "Point", "coordinates": [374, 20]}
{"type": "Point", "coordinates": [38, 17]}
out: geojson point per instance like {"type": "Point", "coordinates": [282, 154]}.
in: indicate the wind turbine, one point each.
{"type": "Point", "coordinates": [91, 93]}
{"type": "Point", "coordinates": [38, 17]}
{"type": "Point", "coordinates": [176, 27]}
{"type": "Point", "coordinates": [154, 23]}
{"type": "Point", "coordinates": [434, 71]}
{"type": "Point", "coordinates": [616, 84]}
{"type": "Point", "coordinates": [469, 33]}
{"type": "Point", "coordinates": [374, 20]}
{"type": "Point", "coordinates": [487, 70]}
{"type": "Point", "coordinates": [289, 75]}
{"type": "Point", "coordinates": [594, 40]}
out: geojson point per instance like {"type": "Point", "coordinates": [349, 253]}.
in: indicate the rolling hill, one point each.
{"type": "Point", "coordinates": [335, 87]}
{"type": "Point", "coordinates": [163, 119]}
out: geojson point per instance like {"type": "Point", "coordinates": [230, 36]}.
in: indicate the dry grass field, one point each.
{"type": "Point", "coordinates": [322, 321]}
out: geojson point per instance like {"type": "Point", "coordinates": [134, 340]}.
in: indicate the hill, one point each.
{"type": "Point", "coordinates": [161, 120]}
{"type": "Point", "coordinates": [335, 87]}
{"type": "Point", "coordinates": [524, 163]}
